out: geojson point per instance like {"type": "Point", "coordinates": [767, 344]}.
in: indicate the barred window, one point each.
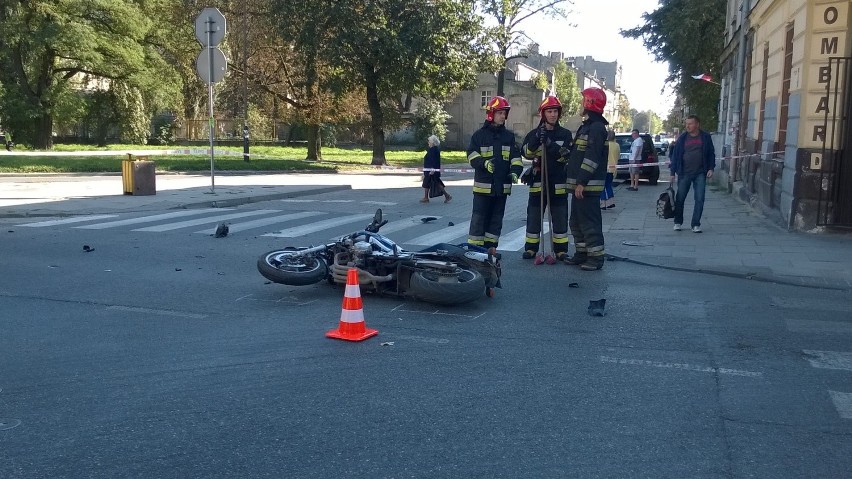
{"type": "Point", "coordinates": [486, 95]}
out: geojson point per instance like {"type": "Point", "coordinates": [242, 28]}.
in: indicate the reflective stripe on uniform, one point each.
{"type": "Point", "coordinates": [476, 240]}
{"type": "Point", "coordinates": [532, 238]}
{"type": "Point", "coordinates": [580, 247]}
{"type": "Point", "coordinates": [560, 238]}
{"type": "Point", "coordinates": [507, 150]}
{"type": "Point", "coordinates": [491, 237]}
{"type": "Point", "coordinates": [595, 250]}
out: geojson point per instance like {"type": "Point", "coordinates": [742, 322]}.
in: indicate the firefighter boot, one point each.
{"type": "Point", "coordinates": [593, 263]}
{"type": "Point", "coordinates": [577, 259]}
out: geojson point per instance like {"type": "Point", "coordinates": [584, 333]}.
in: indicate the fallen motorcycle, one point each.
{"type": "Point", "coordinates": [442, 274]}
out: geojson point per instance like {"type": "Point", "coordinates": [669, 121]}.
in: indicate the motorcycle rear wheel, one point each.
{"type": "Point", "coordinates": [432, 287]}
{"type": "Point", "coordinates": [288, 267]}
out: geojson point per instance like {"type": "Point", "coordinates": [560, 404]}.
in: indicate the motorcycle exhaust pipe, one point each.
{"type": "Point", "coordinates": [340, 269]}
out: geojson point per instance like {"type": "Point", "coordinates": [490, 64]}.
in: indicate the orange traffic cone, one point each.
{"type": "Point", "coordinates": [352, 326]}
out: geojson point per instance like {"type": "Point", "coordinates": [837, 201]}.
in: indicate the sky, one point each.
{"type": "Point", "coordinates": [596, 34]}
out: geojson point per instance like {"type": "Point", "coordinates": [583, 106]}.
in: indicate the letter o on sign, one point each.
{"type": "Point", "coordinates": [830, 15]}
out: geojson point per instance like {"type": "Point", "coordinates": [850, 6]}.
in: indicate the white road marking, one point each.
{"type": "Point", "coordinates": [379, 203]}
{"type": "Point", "coordinates": [443, 235]}
{"type": "Point", "coordinates": [397, 225]}
{"type": "Point", "coordinates": [151, 219]}
{"type": "Point", "coordinates": [516, 239]}
{"type": "Point", "coordinates": [829, 359]}
{"type": "Point", "coordinates": [317, 226]}
{"type": "Point", "coordinates": [201, 221]}
{"type": "Point", "coordinates": [236, 227]}
{"type": "Point", "coordinates": [295, 200]}
{"type": "Point", "coordinates": [338, 201]}
{"type": "Point", "coordinates": [686, 367]}
{"type": "Point", "coordinates": [814, 326]}
{"type": "Point", "coordinates": [843, 403]}
{"type": "Point", "coordinates": [76, 219]}
{"type": "Point", "coordinates": [161, 312]}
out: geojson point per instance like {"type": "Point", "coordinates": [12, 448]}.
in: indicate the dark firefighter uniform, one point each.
{"type": "Point", "coordinates": [492, 146]}
{"type": "Point", "coordinates": [557, 145]}
{"type": "Point", "coordinates": [587, 166]}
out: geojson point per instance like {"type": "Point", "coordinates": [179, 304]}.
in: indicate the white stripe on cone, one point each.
{"type": "Point", "coordinates": [352, 291]}
{"type": "Point", "coordinates": [352, 316]}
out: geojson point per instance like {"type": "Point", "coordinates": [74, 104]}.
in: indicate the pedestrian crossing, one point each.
{"type": "Point", "coordinates": [275, 223]}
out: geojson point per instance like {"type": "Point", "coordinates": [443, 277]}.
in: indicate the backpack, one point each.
{"type": "Point", "coordinates": [665, 204]}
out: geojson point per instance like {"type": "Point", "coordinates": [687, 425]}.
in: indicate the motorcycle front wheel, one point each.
{"type": "Point", "coordinates": [440, 288]}
{"type": "Point", "coordinates": [289, 267]}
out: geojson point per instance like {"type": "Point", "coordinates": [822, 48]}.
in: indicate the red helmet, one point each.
{"type": "Point", "coordinates": [550, 102]}
{"type": "Point", "coordinates": [494, 104]}
{"type": "Point", "coordinates": [594, 99]}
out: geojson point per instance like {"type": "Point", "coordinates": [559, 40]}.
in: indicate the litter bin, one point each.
{"type": "Point", "coordinates": [138, 176]}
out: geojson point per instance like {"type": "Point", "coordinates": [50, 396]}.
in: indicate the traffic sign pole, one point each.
{"type": "Point", "coordinates": [210, 47]}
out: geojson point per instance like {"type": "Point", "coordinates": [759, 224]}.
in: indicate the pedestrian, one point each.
{"type": "Point", "coordinates": [613, 154]}
{"type": "Point", "coordinates": [497, 164]}
{"type": "Point", "coordinates": [554, 141]}
{"type": "Point", "coordinates": [692, 163]}
{"type": "Point", "coordinates": [635, 159]}
{"type": "Point", "coordinates": [432, 168]}
{"type": "Point", "coordinates": [586, 170]}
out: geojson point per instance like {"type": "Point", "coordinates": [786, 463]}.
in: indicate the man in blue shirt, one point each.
{"type": "Point", "coordinates": [692, 163]}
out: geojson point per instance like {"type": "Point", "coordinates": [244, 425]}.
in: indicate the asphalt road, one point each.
{"type": "Point", "coordinates": [165, 354]}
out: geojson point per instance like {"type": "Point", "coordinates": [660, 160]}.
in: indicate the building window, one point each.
{"type": "Point", "coordinates": [486, 95]}
{"type": "Point", "coordinates": [762, 113]}
{"type": "Point", "coordinates": [785, 90]}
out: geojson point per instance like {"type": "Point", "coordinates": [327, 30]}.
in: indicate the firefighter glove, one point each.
{"type": "Point", "coordinates": [514, 177]}
{"type": "Point", "coordinates": [489, 166]}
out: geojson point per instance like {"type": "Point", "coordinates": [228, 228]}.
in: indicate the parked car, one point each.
{"type": "Point", "coordinates": [661, 144]}
{"type": "Point", "coordinates": [649, 155]}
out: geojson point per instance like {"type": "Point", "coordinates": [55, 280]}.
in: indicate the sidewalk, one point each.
{"type": "Point", "coordinates": [736, 240]}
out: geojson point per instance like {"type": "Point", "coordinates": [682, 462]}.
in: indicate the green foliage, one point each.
{"type": "Point", "coordinates": [641, 122]}
{"type": "Point", "coordinates": [133, 121]}
{"type": "Point", "coordinates": [387, 49]}
{"type": "Point", "coordinates": [47, 45]}
{"type": "Point", "coordinates": [567, 89]}
{"type": "Point", "coordinates": [429, 119]}
{"type": "Point", "coordinates": [688, 35]}
{"type": "Point", "coordinates": [100, 117]}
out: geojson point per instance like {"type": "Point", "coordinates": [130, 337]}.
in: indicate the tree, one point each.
{"type": "Point", "coordinates": [507, 39]}
{"type": "Point", "coordinates": [567, 89]}
{"type": "Point", "coordinates": [655, 123]}
{"type": "Point", "coordinates": [388, 49]}
{"type": "Point", "coordinates": [49, 49]}
{"type": "Point", "coordinates": [686, 34]}
{"type": "Point", "coordinates": [429, 119]}
{"type": "Point", "coordinates": [641, 121]}
{"type": "Point", "coordinates": [625, 113]}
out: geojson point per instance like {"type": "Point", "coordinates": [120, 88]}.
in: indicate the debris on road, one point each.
{"type": "Point", "coordinates": [596, 308]}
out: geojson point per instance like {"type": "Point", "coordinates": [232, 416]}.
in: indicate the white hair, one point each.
{"type": "Point", "coordinates": [434, 141]}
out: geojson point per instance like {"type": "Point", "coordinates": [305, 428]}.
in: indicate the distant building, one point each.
{"type": "Point", "coordinates": [467, 108]}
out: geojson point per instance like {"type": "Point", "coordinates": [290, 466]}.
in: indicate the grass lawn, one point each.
{"type": "Point", "coordinates": [263, 158]}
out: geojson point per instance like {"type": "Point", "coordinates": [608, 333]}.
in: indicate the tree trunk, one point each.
{"type": "Point", "coordinates": [314, 143]}
{"type": "Point", "coordinates": [376, 117]}
{"type": "Point", "coordinates": [43, 134]}
{"type": "Point", "coordinates": [501, 79]}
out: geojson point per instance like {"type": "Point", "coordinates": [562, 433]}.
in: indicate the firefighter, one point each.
{"type": "Point", "coordinates": [497, 164]}
{"type": "Point", "coordinates": [557, 145]}
{"type": "Point", "coordinates": [586, 171]}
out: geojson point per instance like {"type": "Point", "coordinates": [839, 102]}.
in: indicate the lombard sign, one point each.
{"type": "Point", "coordinates": [829, 27]}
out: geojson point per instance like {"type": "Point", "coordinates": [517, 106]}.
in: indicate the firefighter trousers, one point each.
{"type": "Point", "coordinates": [486, 221]}
{"type": "Point", "coordinates": [559, 222]}
{"type": "Point", "coordinates": [586, 226]}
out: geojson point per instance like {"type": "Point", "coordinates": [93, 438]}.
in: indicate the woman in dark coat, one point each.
{"type": "Point", "coordinates": [431, 165]}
